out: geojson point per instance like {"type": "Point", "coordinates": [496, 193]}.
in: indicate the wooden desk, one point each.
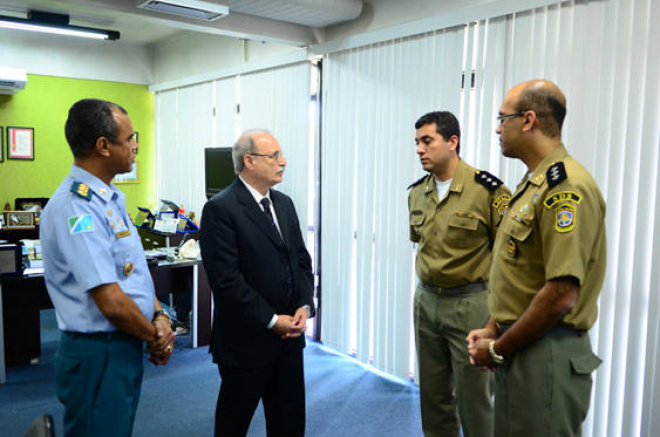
{"type": "Point", "coordinates": [21, 300]}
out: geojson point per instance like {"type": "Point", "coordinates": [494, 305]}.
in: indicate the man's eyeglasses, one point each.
{"type": "Point", "coordinates": [274, 156]}
{"type": "Point", "coordinates": [502, 117]}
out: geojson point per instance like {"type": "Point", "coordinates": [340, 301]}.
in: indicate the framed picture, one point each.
{"type": "Point", "coordinates": [20, 142]}
{"type": "Point", "coordinates": [2, 147]}
{"type": "Point", "coordinates": [128, 178]}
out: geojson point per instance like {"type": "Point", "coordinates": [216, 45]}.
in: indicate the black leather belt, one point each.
{"type": "Point", "coordinates": [463, 289]}
{"type": "Point", "coordinates": [557, 331]}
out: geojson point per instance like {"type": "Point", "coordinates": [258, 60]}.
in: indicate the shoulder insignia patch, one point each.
{"type": "Point", "coordinates": [488, 180]}
{"type": "Point", "coordinates": [555, 174]}
{"type": "Point", "coordinates": [417, 182]}
{"type": "Point", "coordinates": [562, 196]}
{"type": "Point", "coordinates": [81, 190]}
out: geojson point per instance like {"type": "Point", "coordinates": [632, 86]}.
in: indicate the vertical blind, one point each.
{"type": "Point", "coordinates": [214, 113]}
{"type": "Point", "coordinates": [604, 55]}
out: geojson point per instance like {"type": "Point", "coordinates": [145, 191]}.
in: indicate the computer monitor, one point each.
{"type": "Point", "coordinates": [218, 168]}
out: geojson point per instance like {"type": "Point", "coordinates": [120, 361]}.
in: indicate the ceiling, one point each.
{"type": "Point", "coordinates": [294, 22]}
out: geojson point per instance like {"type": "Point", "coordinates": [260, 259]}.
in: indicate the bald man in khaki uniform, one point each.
{"type": "Point", "coordinates": [548, 268]}
{"type": "Point", "coordinates": [454, 213]}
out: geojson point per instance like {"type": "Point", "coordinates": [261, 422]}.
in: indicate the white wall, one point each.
{"type": "Point", "coordinates": [62, 56]}
{"type": "Point", "coordinates": [188, 54]}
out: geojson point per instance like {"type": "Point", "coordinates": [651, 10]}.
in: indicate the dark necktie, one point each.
{"type": "Point", "coordinates": [265, 202]}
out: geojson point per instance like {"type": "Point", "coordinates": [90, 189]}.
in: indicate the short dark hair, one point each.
{"type": "Point", "coordinates": [549, 106]}
{"type": "Point", "coordinates": [446, 124]}
{"type": "Point", "coordinates": [90, 119]}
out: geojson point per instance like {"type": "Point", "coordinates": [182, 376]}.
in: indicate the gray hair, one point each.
{"type": "Point", "coordinates": [243, 146]}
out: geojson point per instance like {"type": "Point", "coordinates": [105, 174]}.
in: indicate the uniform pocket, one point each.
{"type": "Point", "coordinates": [585, 364]}
{"type": "Point", "coordinates": [463, 231]}
{"type": "Point", "coordinates": [416, 218]}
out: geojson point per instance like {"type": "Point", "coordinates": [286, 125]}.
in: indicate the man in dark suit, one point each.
{"type": "Point", "coordinates": [261, 276]}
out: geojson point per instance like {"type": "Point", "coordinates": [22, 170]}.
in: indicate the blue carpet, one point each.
{"type": "Point", "coordinates": [344, 398]}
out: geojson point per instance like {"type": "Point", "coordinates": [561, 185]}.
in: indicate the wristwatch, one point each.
{"type": "Point", "coordinates": [160, 313]}
{"type": "Point", "coordinates": [497, 359]}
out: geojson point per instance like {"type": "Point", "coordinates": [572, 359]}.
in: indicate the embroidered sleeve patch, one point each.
{"type": "Point", "coordinates": [566, 215]}
{"type": "Point", "coordinates": [80, 224]}
{"type": "Point", "coordinates": [501, 203]}
{"type": "Point", "coordinates": [562, 196]}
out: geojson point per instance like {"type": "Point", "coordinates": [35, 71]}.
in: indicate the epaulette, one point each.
{"type": "Point", "coordinates": [81, 190]}
{"type": "Point", "coordinates": [417, 182]}
{"type": "Point", "coordinates": [555, 174]}
{"type": "Point", "coordinates": [488, 180]}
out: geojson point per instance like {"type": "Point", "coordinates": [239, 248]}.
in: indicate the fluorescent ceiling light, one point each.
{"type": "Point", "coordinates": [55, 24]}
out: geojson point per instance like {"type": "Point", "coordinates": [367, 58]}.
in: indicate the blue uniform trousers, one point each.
{"type": "Point", "coordinates": [98, 380]}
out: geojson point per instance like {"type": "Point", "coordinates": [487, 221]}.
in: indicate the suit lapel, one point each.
{"type": "Point", "coordinates": [254, 212]}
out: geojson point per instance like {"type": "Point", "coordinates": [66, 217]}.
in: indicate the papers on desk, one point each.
{"type": "Point", "coordinates": [32, 271]}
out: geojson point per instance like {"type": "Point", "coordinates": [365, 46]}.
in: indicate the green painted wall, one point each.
{"type": "Point", "coordinates": [44, 105]}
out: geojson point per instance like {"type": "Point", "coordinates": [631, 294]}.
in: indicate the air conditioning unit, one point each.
{"type": "Point", "coordinates": [12, 80]}
{"type": "Point", "coordinates": [207, 10]}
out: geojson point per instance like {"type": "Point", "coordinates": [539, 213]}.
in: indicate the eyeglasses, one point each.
{"type": "Point", "coordinates": [502, 117]}
{"type": "Point", "coordinates": [274, 156]}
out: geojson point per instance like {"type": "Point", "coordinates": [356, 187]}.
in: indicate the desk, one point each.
{"type": "Point", "coordinates": [21, 300]}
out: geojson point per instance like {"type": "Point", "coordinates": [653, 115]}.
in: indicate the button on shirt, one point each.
{"type": "Point", "coordinates": [87, 243]}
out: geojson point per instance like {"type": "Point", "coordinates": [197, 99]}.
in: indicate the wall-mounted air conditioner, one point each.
{"type": "Point", "coordinates": [12, 80]}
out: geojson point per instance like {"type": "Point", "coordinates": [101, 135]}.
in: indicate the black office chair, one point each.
{"type": "Point", "coordinates": [41, 427]}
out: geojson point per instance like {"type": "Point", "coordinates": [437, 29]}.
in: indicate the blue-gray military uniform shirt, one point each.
{"type": "Point", "coordinates": [88, 240]}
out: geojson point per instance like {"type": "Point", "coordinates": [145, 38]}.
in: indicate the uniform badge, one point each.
{"type": "Point", "coordinates": [109, 213]}
{"type": "Point", "coordinates": [535, 198]}
{"type": "Point", "coordinates": [81, 190]}
{"type": "Point", "coordinates": [512, 248]}
{"type": "Point", "coordinates": [128, 269]}
{"type": "Point", "coordinates": [123, 234]}
{"type": "Point", "coordinates": [103, 191]}
{"type": "Point", "coordinates": [80, 224]}
{"type": "Point", "coordinates": [488, 180]}
{"type": "Point", "coordinates": [555, 174]}
{"type": "Point", "coordinates": [566, 215]}
{"type": "Point", "coordinates": [562, 196]}
{"type": "Point", "coordinates": [501, 203]}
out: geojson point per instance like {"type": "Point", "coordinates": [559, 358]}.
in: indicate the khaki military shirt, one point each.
{"type": "Point", "coordinates": [554, 227]}
{"type": "Point", "coordinates": [455, 234]}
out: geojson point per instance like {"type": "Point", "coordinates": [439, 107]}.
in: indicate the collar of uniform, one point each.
{"type": "Point", "coordinates": [458, 181]}
{"type": "Point", "coordinates": [96, 185]}
{"type": "Point", "coordinates": [538, 177]}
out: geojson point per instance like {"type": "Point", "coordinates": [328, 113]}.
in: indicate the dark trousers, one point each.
{"type": "Point", "coordinates": [281, 387]}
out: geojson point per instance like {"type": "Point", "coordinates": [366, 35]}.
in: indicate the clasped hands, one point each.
{"type": "Point", "coordinates": [478, 342]}
{"type": "Point", "coordinates": [160, 349]}
{"type": "Point", "coordinates": [291, 326]}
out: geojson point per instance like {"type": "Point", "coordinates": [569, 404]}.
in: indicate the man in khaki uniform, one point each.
{"type": "Point", "coordinates": [547, 271]}
{"type": "Point", "coordinates": [454, 213]}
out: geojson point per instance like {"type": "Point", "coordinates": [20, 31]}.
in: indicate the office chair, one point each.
{"type": "Point", "coordinates": [41, 427]}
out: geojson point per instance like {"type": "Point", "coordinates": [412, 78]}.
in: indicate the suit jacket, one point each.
{"type": "Point", "coordinates": [246, 264]}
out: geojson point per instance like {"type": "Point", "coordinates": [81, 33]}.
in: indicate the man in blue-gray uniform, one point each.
{"type": "Point", "coordinates": [98, 280]}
